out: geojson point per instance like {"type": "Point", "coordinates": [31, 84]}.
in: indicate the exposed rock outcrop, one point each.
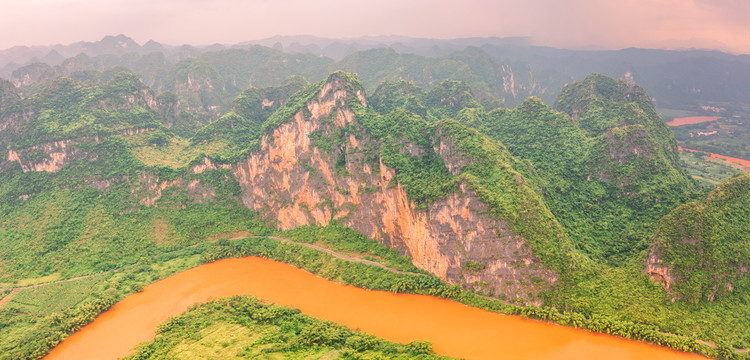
{"type": "Point", "coordinates": [659, 272]}
{"type": "Point", "coordinates": [207, 164]}
{"type": "Point", "coordinates": [292, 182]}
{"type": "Point", "coordinates": [53, 156]}
{"type": "Point", "coordinates": [149, 189]}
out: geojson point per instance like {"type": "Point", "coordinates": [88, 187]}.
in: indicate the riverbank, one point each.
{"type": "Point", "coordinates": [383, 278]}
{"type": "Point", "coordinates": [454, 329]}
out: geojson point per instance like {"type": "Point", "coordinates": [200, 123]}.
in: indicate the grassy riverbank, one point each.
{"type": "Point", "coordinates": [30, 327]}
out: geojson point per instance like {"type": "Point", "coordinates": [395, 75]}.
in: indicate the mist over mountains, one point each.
{"type": "Point", "coordinates": [511, 67]}
{"type": "Point", "coordinates": [519, 179]}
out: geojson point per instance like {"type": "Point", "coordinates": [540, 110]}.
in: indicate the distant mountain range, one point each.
{"type": "Point", "coordinates": [575, 199]}
{"type": "Point", "coordinates": [336, 49]}
{"type": "Point", "coordinates": [511, 67]}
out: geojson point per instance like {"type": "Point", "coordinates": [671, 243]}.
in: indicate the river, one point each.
{"type": "Point", "coordinates": [454, 329]}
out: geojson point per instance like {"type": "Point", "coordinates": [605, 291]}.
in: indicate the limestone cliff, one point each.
{"type": "Point", "coordinates": [54, 155]}
{"type": "Point", "coordinates": [293, 181]}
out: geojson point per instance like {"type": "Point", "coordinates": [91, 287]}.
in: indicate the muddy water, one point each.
{"type": "Point", "coordinates": [692, 120]}
{"type": "Point", "coordinates": [454, 329]}
{"type": "Point", "coordinates": [742, 162]}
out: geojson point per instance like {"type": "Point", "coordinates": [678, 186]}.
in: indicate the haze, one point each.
{"type": "Point", "coordinates": [670, 24]}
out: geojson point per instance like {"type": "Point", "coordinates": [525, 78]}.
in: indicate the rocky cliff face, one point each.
{"type": "Point", "coordinates": [54, 155]}
{"type": "Point", "coordinates": [659, 271]}
{"type": "Point", "coordinates": [292, 182]}
{"type": "Point", "coordinates": [50, 157]}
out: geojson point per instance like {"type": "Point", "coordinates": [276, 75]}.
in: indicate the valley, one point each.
{"type": "Point", "coordinates": [411, 176]}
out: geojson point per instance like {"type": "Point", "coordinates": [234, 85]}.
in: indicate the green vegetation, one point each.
{"type": "Point", "coordinates": [242, 327]}
{"type": "Point", "coordinates": [584, 186]}
{"type": "Point", "coordinates": [407, 148]}
{"type": "Point", "coordinates": [708, 171]}
{"type": "Point", "coordinates": [37, 319]}
{"type": "Point", "coordinates": [176, 153]}
{"type": "Point", "coordinates": [205, 85]}
{"type": "Point", "coordinates": [391, 95]}
{"type": "Point", "coordinates": [67, 109]}
{"type": "Point", "coordinates": [241, 127]}
{"type": "Point", "coordinates": [95, 215]}
{"type": "Point", "coordinates": [704, 242]}
{"type": "Point", "coordinates": [444, 101]}
{"type": "Point", "coordinates": [32, 327]}
{"type": "Point", "coordinates": [626, 293]}
{"type": "Point", "coordinates": [608, 173]}
{"type": "Point", "coordinates": [406, 143]}
{"type": "Point", "coordinates": [608, 321]}
{"type": "Point", "coordinates": [39, 336]}
{"type": "Point", "coordinates": [472, 66]}
{"type": "Point", "coordinates": [345, 240]}
{"type": "Point", "coordinates": [447, 99]}
{"type": "Point", "coordinates": [726, 136]}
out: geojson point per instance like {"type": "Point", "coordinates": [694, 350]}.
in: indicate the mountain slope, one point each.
{"type": "Point", "coordinates": [608, 162]}
{"type": "Point", "coordinates": [442, 194]}
{"type": "Point", "coordinates": [701, 249]}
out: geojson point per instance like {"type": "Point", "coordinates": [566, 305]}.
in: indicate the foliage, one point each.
{"type": "Point", "coordinates": [606, 176]}
{"type": "Point", "coordinates": [726, 136]}
{"type": "Point", "coordinates": [67, 109]}
{"type": "Point", "coordinates": [626, 293]}
{"type": "Point", "coordinates": [112, 204]}
{"type": "Point", "coordinates": [241, 127]}
{"type": "Point", "coordinates": [444, 101]}
{"type": "Point", "coordinates": [708, 171]}
{"type": "Point", "coordinates": [345, 240]}
{"type": "Point", "coordinates": [447, 99]}
{"type": "Point", "coordinates": [376, 278]}
{"type": "Point", "coordinates": [36, 320]}
{"type": "Point", "coordinates": [270, 330]}
{"type": "Point", "coordinates": [91, 215]}
{"type": "Point", "coordinates": [158, 138]}
{"type": "Point", "coordinates": [402, 94]}
{"type": "Point", "coordinates": [704, 243]}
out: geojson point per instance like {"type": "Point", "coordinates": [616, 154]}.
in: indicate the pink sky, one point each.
{"type": "Point", "coordinates": [609, 24]}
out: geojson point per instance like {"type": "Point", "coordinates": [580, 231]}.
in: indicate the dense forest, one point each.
{"type": "Point", "coordinates": [124, 169]}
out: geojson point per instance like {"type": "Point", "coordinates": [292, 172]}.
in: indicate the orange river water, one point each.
{"type": "Point", "coordinates": [454, 329]}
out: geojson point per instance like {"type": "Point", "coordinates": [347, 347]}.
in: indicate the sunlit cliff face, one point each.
{"type": "Point", "coordinates": [293, 183]}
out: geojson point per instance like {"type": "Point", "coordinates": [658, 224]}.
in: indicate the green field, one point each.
{"type": "Point", "coordinates": [709, 173]}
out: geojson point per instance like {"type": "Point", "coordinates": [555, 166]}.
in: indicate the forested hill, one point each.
{"type": "Point", "coordinates": [498, 70]}
{"type": "Point", "coordinates": [608, 161]}
{"type": "Point", "coordinates": [701, 249]}
{"type": "Point", "coordinates": [531, 205]}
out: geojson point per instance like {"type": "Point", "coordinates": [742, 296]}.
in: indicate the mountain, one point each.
{"type": "Point", "coordinates": [425, 190]}
{"type": "Point", "coordinates": [533, 205]}
{"type": "Point", "coordinates": [444, 101]}
{"type": "Point", "coordinates": [608, 161]}
{"type": "Point", "coordinates": [700, 250]}
{"type": "Point", "coordinates": [239, 128]}
{"type": "Point", "coordinates": [65, 110]}
{"type": "Point", "coordinates": [499, 70]}
{"type": "Point", "coordinates": [439, 192]}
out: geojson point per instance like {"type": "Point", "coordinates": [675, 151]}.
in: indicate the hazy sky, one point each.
{"type": "Point", "coordinates": [722, 24]}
